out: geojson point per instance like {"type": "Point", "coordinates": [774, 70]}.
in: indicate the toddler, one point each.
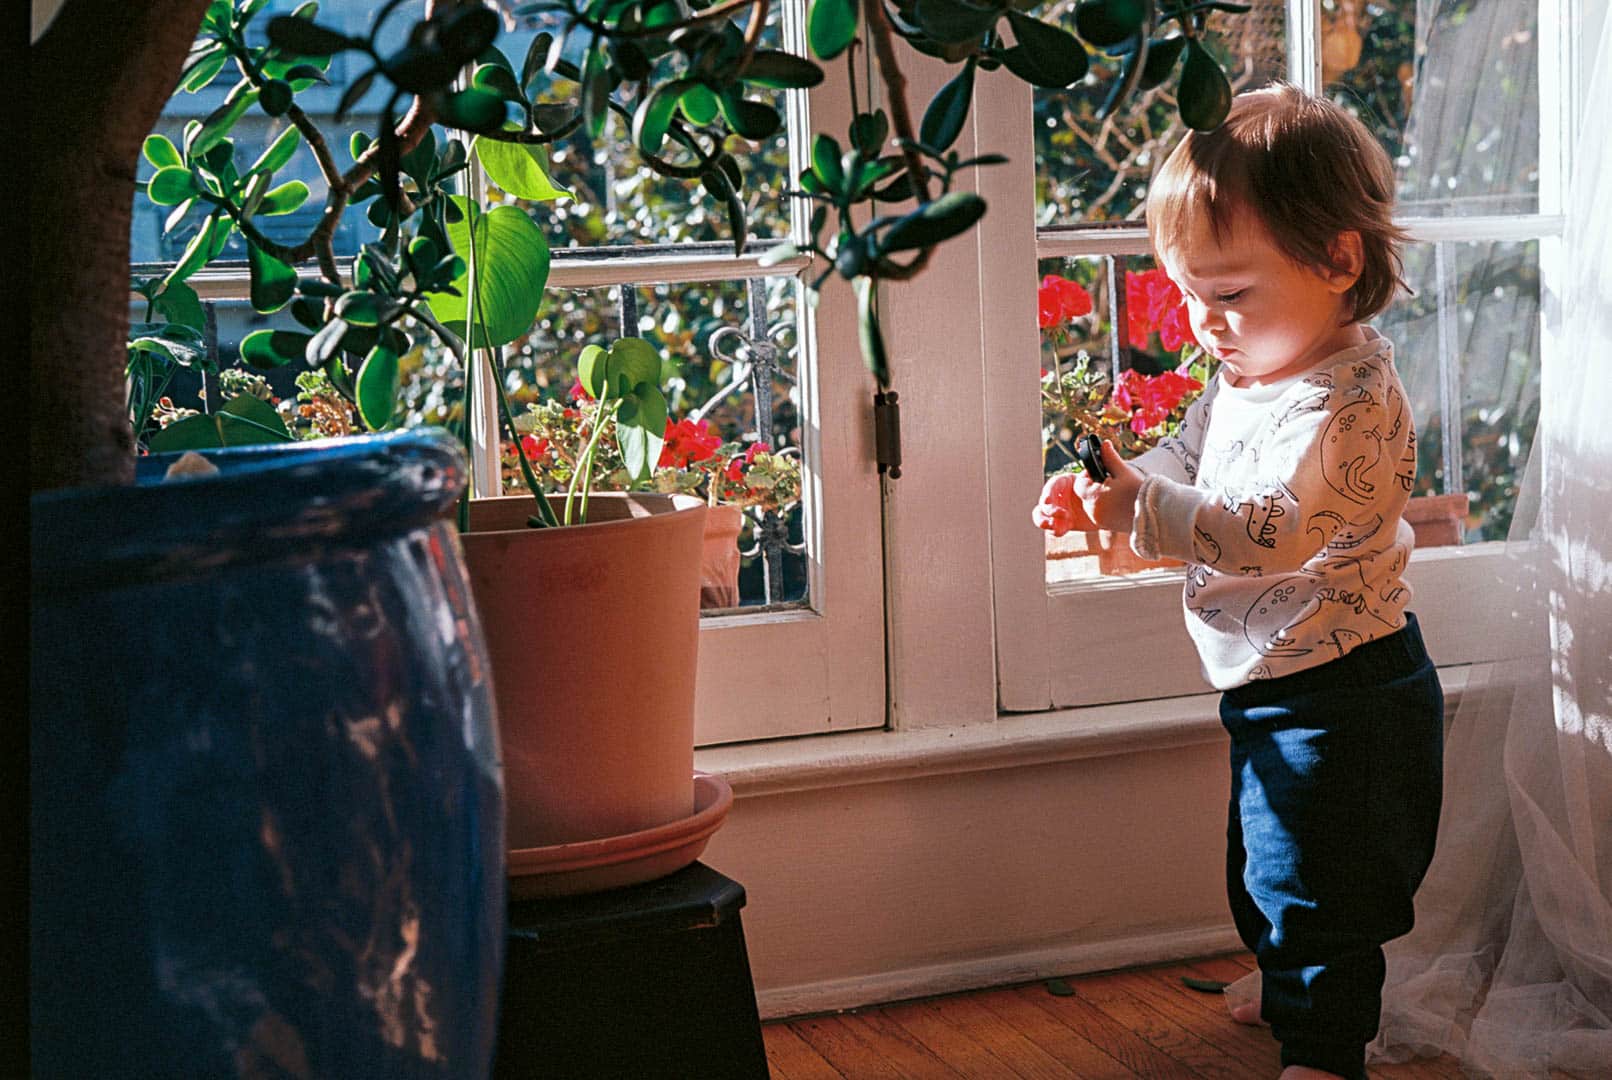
{"type": "Point", "coordinates": [1283, 494]}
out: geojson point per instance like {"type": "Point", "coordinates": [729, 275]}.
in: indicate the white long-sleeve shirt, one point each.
{"type": "Point", "coordinates": [1285, 501]}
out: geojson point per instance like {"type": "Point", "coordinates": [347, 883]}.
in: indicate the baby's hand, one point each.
{"type": "Point", "coordinates": [1059, 510]}
{"type": "Point", "coordinates": [1112, 503]}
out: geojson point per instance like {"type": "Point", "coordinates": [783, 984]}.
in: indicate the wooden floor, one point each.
{"type": "Point", "coordinates": [1114, 1026]}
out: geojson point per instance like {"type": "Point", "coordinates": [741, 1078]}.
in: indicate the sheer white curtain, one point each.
{"type": "Point", "coordinates": [1510, 965]}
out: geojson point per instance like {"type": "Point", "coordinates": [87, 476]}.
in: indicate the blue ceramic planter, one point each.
{"type": "Point", "coordinates": [267, 832]}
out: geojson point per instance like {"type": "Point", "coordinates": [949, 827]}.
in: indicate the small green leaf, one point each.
{"type": "Point", "coordinates": [1204, 94]}
{"type": "Point", "coordinates": [752, 120]}
{"type": "Point", "coordinates": [1204, 986]}
{"type": "Point", "coordinates": [306, 38]}
{"type": "Point", "coordinates": [1161, 58]}
{"type": "Point", "coordinates": [497, 79]}
{"type": "Point", "coordinates": [781, 70]}
{"type": "Point", "coordinates": [276, 97]}
{"type": "Point", "coordinates": [474, 110]}
{"type": "Point", "coordinates": [826, 162]}
{"type": "Point", "coordinates": [1104, 23]}
{"type": "Point", "coordinates": [943, 120]}
{"type": "Point", "coordinates": [654, 115]}
{"type": "Point", "coordinates": [350, 97]}
{"type": "Point", "coordinates": [518, 168]}
{"type": "Point", "coordinates": [377, 385]}
{"type": "Point", "coordinates": [284, 199]}
{"type": "Point", "coordinates": [218, 123]}
{"type": "Point", "coordinates": [1059, 988]}
{"type": "Point", "coordinates": [170, 186]}
{"type": "Point", "coordinates": [953, 22]}
{"type": "Point", "coordinates": [831, 27]}
{"type": "Point", "coordinates": [180, 305]}
{"type": "Point", "coordinates": [267, 349]}
{"type": "Point", "coordinates": [278, 153]}
{"type": "Point", "coordinates": [698, 104]}
{"type": "Point", "coordinates": [243, 421]}
{"type": "Point", "coordinates": [161, 152]}
{"type": "Point", "coordinates": [641, 431]}
{"type": "Point", "coordinates": [273, 282]}
{"type": "Point", "coordinates": [593, 370]}
{"type": "Point", "coordinates": [202, 68]}
{"type": "Point", "coordinates": [867, 326]}
{"type": "Point", "coordinates": [360, 308]}
{"type": "Point", "coordinates": [1046, 56]}
{"type": "Point", "coordinates": [869, 131]}
{"type": "Point", "coordinates": [952, 213]}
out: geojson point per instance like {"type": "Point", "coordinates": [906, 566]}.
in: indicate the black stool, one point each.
{"type": "Point", "coordinates": [643, 982]}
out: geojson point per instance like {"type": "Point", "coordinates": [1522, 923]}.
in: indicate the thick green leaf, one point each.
{"type": "Point", "coordinates": [1047, 56]}
{"type": "Point", "coordinates": [243, 421]}
{"type": "Point", "coordinates": [170, 186]}
{"type": "Point", "coordinates": [518, 168]}
{"type": "Point", "coordinates": [202, 68]}
{"type": "Point", "coordinates": [1161, 58]}
{"type": "Point", "coordinates": [933, 222]}
{"type": "Point", "coordinates": [593, 370]}
{"type": "Point", "coordinates": [1204, 94]}
{"type": "Point", "coordinates": [305, 38]}
{"type": "Point", "coordinates": [322, 347]}
{"type": "Point", "coordinates": [161, 152]}
{"type": "Point", "coordinates": [1108, 22]}
{"type": "Point", "coordinates": [276, 97]}
{"type": "Point", "coordinates": [654, 115]}
{"type": "Point", "coordinates": [826, 162]}
{"type": "Point", "coordinates": [377, 385]}
{"type": "Point", "coordinates": [831, 27]}
{"type": "Point", "coordinates": [474, 110]}
{"type": "Point", "coordinates": [218, 123]}
{"type": "Point", "coordinates": [273, 282]}
{"type": "Point", "coordinates": [202, 249]}
{"type": "Point", "coordinates": [633, 363]}
{"type": "Point", "coordinates": [180, 305]}
{"type": "Point", "coordinates": [278, 153]}
{"type": "Point", "coordinates": [752, 120]}
{"type": "Point", "coordinates": [361, 308]}
{"type": "Point", "coordinates": [642, 434]}
{"type": "Point", "coordinates": [266, 349]}
{"type": "Point", "coordinates": [867, 326]}
{"type": "Point", "coordinates": [698, 104]}
{"type": "Point", "coordinates": [869, 131]}
{"type": "Point", "coordinates": [512, 268]}
{"type": "Point", "coordinates": [284, 199]}
{"type": "Point", "coordinates": [943, 120]}
{"type": "Point", "coordinates": [781, 70]}
{"type": "Point", "coordinates": [954, 21]}
{"type": "Point", "coordinates": [497, 79]}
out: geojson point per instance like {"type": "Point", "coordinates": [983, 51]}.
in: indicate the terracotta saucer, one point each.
{"type": "Point", "coordinates": [611, 861]}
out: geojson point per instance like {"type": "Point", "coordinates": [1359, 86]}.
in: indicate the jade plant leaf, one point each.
{"type": "Point", "coordinates": [266, 349]}
{"type": "Point", "coordinates": [377, 386]}
{"type": "Point", "coordinates": [831, 27]}
{"type": "Point", "coordinates": [273, 282]}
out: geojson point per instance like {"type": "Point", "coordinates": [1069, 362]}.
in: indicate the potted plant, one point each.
{"type": "Point", "coordinates": [1131, 409]}
{"type": "Point", "coordinates": [677, 81]}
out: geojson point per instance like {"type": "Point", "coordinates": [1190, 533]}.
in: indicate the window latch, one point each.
{"type": "Point", "coordinates": [887, 433]}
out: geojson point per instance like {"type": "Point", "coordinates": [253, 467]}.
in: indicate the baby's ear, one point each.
{"type": "Point", "coordinates": [1348, 254]}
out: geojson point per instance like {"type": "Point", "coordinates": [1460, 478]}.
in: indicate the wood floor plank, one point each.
{"type": "Point", "coordinates": [789, 1057]}
{"type": "Point", "coordinates": [910, 1057]}
{"type": "Point", "coordinates": [1204, 1016]}
{"type": "Point", "coordinates": [1005, 1041]}
{"type": "Point", "coordinates": [839, 1045]}
{"type": "Point", "coordinates": [1093, 1024]}
{"type": "Point", "coordinates": [1088, 1060]}
{"type": "Point", "coordinates": [948, 1042]}
{"type": "Point", "coordinates": [1164, 1032]}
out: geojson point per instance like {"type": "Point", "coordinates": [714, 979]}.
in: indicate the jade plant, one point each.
{"type": "Point", "coordinates": [679, 79]}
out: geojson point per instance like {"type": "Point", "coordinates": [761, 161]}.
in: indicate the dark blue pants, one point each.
{"type": "Point", "coordinates": [1336, 776]}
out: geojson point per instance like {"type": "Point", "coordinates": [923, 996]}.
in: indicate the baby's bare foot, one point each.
{"type": "Point", "coordinates": [1304, 1072]}
{"type": "Point", "coordinates": [1242, 999]}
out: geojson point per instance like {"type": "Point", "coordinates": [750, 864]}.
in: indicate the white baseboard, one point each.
{"type": "Point", "coordinates": [1072, 959]}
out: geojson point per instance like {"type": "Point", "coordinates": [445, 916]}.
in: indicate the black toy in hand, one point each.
{"type": "Point", "coordinates": [1089, 449]}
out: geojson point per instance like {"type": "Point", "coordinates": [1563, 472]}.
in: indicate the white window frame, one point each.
{"type": "Point", "coordinates": [1124, 639]}
{"type": "Point", "coordinates": [784, 672]}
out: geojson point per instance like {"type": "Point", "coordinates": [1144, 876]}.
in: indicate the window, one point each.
{"type": "Point", "coordinates": [1463, 94]}
{"type": "Point", "coordinates": [801, 651]}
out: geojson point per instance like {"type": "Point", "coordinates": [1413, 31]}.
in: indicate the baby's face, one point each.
{"type": "Point", "coordinates": [1264, 316]}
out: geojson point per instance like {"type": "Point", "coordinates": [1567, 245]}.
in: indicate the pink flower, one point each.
{"type": "Point", "coordinates": [1153, 302]}
{"type": "Point", "coordinates": [579, 392]}
{"type": "Point", "coordinates": [533, 447]}
{"type": "Point", "coordinates": [736, 466]}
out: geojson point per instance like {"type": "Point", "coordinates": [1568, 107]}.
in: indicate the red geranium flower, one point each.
{"type": "Point", "coordinates": [687, 441]}
{"type": "Point", "coordinates": [579, 392]}
{"type": "Point", "coordinates": [1060, 300]}
{"type": "Point", "coordinates": [533, 447]}
{"type": "Point", "coordinates": [1150, 399]}
{"type": "Point", "coordinates": [737, 465]}
{"type": "Point", "coordinates": [1153, 302]}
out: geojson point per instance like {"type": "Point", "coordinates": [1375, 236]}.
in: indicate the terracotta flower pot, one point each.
{"type": "Point", "coordinates": [1437, 520]}
{"type": "Point", "coordinates": [593, 634]}
{"type": "Point", "coordinates": [719, 560]}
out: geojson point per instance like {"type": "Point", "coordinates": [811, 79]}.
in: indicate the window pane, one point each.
{"type": "Point", "coordinates": [1089, 170]}
{"type": "Point", "coordinates": [256, 130]}
{"type": "Point", "coordinates": [1472, 374]}
{"type": "Point", "coordinates": [719, 337]}
{"type": "Point", "coordinates": [1451, 87]}
{"type": "Point", "coordinates": [619, 200]}
{"type": "Point", "coordinates": [1124, 386]}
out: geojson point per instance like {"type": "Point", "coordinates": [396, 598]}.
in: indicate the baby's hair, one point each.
{"type": "Point", "coordinates": [1305, 169]}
